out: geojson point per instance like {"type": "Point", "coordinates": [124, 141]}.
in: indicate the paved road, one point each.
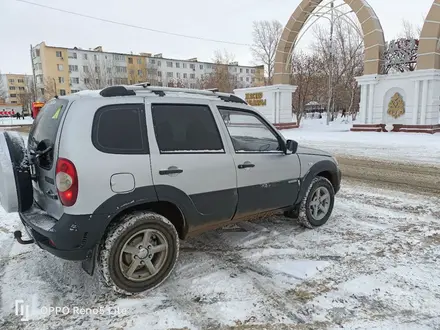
{"type": "Point", "coordinates": [409, 177]}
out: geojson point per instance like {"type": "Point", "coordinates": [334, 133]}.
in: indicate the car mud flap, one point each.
{"type": "Point", "coordinates": [88, 265]}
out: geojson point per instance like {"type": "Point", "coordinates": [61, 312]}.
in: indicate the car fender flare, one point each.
{"type": "Point", "coordinates": [320, 167]}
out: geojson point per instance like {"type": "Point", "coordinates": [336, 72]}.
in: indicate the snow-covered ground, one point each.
{"type": "Point", "coordinates": [337, 138]}
{"type": "Point", "coordinates": [375, 265]}
{"type": "Point", "coordinates": [15, 121]}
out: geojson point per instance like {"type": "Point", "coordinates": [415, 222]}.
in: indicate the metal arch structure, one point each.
{"type": "Point", "coordinates": [428, 56]}
{"type": "Point", "coordinates": [374, 40]}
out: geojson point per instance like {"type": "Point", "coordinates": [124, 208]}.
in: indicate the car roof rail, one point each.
{"type": "Point", "coordinates": [126, 90]}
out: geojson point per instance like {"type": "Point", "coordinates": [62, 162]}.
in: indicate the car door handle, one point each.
{"type": "Point", "coordinates": [171, 170]}
{"type": "Point", "coordinates": [246, 165]}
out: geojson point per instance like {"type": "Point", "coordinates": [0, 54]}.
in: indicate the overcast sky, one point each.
{"type": "Point", "coordinates": [23, 24]}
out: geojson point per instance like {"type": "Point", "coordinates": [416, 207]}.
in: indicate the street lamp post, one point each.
{"type": "Point", "coordinates": [330, 71]}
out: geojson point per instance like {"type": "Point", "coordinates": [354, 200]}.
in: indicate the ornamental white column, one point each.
{"type": "Point", "coordinates": [424, 102]}
{"type": "Point", "coordinates": [370, 103]}
{"type": "Point", "coordinates": [363, 104]}
{"type": "Point", "coordinates": [416, 102]}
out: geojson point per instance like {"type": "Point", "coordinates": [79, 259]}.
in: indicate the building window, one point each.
{"type": "Point", "coordinates": [132, 72]}
{"type": "Point", "coordinates": [95, 57]}
{"type": "Point", "coordinates": [85, 56]}
{"type": "Point", "coordinates": [159, 73]}
{"type": "Point", "coordinates": [177, 65]}
{"type": "Point", "coordinates": [21, 88]}
{"type": "Point", "coordinates": [130, 60]}
{"type": "Point", "coordinates": [235, 70]}
{"type": "Point", "coordinates": [241, 70]}
{"type": "Point", "coordinates": [192, 76]}
{"type": "Point", "coordinates": [13, 95]}
{"type": "Point", "coordinates": [177, 74]}
{"type": "Point", "coordinates": [152, 61]}
{"type": "Point", "coordinates": [192, 66]}
{"type": "Point", "coordinates": [121, 69]}
{"type": "Point", "coordinates": [62, 92]}
{"type": "Point", "coordinates": [85, 69]}
{"type": "Point", "coordinates": [209, 66]}
{"type": "Point", "coordinates": [20, 81]}
{"type": "Point", "coordinates": [120, 58]}
{"type": "Point", "coordinates": [61, 80]}
{"type": "Point", "coordinates": [60, 67]}
{"type": "Point", "coordinates": [73, 68]}
{"type": "Point", "coordinates": [59, 54]}
{"type": "Point", "coordinates": [184, 65]}
{"type": "Point", "coordinates": [169, 64]}
{"type": "Point", "coordinates": [159, 63]}
{"type": "Point", "coordinates": [247, 70]}
{"type": "Point", "coordinates": [73, 55]}
{"type": "Point", "coordinates": [11, 81]}
{"type": "Point", "coordinates": [139, 61]}
{"type": "Point", "coordinates": [247, 79]}
{"type": "Point", "coordinates": [253, 71]}
{"type": "Point", "coordinates": [185, 75]}
{"type": "Point", "coordinates": [12, 88]}
{"type": "Point", "coordinates": [201, 66]}
{"type": "Point", "coordinates": [74, 80]}
{"type": "Point", "coordinates": [185, 128]}
{"type": "Point", "coordinates": [86, 80]}
{"type": "Point", "coordinates": [14, 102]}
{"type": "Point", "coordinates": [139, 72]}
{"type": "Point", "coordinates": [169, 74]}
{"type": "Point", "coordinates": [109, 70]}
{"type": "Point", "coordinates": [74, 91]}
{"type": "Point", "coordinates": [37, 52]}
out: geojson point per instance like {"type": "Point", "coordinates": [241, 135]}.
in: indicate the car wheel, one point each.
{"type": "Point", "coordinates": [317, 205]}
{"type": "Point", "coordinates": [138, 253]}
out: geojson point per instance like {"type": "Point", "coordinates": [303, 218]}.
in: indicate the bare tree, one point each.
{"type": "Point", "coordinates": [28, 95]}
{"type": "Point", "coordinates": [221, 76]}
{"type": "Point", "coordinates": [345, 61]}
{"type": "Point", "coordinates": [409, 30]}
{"type": "Point", "coordinates": [50, 90]}
{"type": "Point", "coordinates": [306, 75]}
{"type": "Point", "coordinates": [3, 88]}
{"type": "Point", "coordinates": [266, 35]}
{"type": "Point", "coordinates": [98, 74]}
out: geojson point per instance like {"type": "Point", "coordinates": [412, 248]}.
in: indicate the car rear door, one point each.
{"type": "Point", "coordinates": [42, 139]}
{"type": "Point", "coordinates": [267, 177]}
{"type": "Point", "coordinates": [191, 166]}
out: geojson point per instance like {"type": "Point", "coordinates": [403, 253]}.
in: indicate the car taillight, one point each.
{"type": "Point", "coordinates": [66, 181]}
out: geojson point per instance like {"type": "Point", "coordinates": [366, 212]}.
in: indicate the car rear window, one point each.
{"type": "Point", "coordinates": [44, 130]}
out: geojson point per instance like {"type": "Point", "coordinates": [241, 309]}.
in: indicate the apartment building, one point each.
{"type": "Point", "coordinates": [15, 86]}
{"type": "Point", "coordinates": [68, 70]}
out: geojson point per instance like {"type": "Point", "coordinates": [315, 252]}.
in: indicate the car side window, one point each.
{"type": "Point", "coordinates": [186, 128]}
{"type": "Point", "coordinates": [120, 129]}
{"type": "Point", "coordinates": [249, 134]}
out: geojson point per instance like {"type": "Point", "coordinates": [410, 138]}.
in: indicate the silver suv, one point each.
{"type": "Point", "coordinates": [118, 176]}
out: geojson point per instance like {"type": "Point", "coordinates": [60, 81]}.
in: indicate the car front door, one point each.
{"type": "Point", "coordinates": [191, 167]}
{"type": "Point", "coordinates": [267, 177]}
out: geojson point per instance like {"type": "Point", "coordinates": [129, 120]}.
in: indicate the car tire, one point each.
{"type": "Point", "coordinates": [138, 253]}
{"type": "Point", "coordinates": [317, 204]}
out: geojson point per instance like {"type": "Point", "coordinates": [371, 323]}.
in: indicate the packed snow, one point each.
{"type": "Point", "coordinates": [373, 266]}
{"type": "Point", "coordinates": [337, 138]}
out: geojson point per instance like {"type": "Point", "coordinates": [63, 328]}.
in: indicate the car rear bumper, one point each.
{"type": "Point", "coordinates": [72, 237]}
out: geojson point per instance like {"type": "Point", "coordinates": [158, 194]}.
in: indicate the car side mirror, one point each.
{"type": "Point", "coordinates": [292, 146]}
